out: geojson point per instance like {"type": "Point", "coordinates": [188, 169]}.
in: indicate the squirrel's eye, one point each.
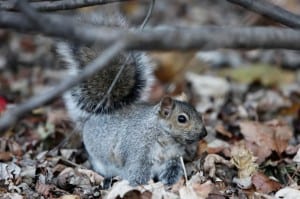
{"type": "Point", "coordinates": [182, 119]}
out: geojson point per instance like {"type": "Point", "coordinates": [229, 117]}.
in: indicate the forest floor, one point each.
{"type": "Point", "coordinates": [250, 102]}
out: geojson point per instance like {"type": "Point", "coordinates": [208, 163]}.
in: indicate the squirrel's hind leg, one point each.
{"type": "Point", "coordinates": [107, 182]}
{"type": "Point", "coordinates": [171, 172]}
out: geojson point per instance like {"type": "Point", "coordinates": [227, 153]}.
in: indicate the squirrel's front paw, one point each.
{"type": "Point", "coordinates": [171, 174]}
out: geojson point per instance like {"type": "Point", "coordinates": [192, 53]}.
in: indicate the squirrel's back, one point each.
{"type": "Point", "coordinates": [91, 97]}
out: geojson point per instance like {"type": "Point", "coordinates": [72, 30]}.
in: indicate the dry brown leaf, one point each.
{"type": "Point", "coordinates": [70, 176]}
{"type": "Point", "coordinates": [177, 186]}
{"type": "Point", "coordinates": [260, 135]}
{"type": "Point", "coordinates": [210, 163]}
{"type": "Point", "coordinates": [146, 195]}
{"type": "Point", "coordinates": [170, 66]}
{"type": "Point", "coordinates": [217, 146]}
{"type": "Point", "coordinates": [282, 135]}
{"type": "Point", "coordinates": [187, 192]}
{"type": "Point", "coordinates": [260, 152]}
{"type": "Point", "coordinates": [135, 194]}
{"type": "Point", "coordinates": [158, 190]}
{"type": "Point", "coordinates": [57, 116]}
{"type": "Point", "coordinates": [69, 197]}
{"type": "Point", "coordinates": [59, 168]}
{"type": "Point", "coordinates": [11, 196]}
{"type": "Point", "coordinates": [67, 153]}
{"type": "Point", "coordinates": [221, 130]}
{"type": "Point", "coordinates": [196, 190]}
{"type": "Point", "coordinates": [5, 156]}
{"type": "Point", "coordinates": [43, 189]}
{"type": "Point", "coordinates": [94, 177]}
{"type": "Point", "coordinates": [120, 189]}
{"type": "Point", "coordinates": [15, 148]}
{"type": "Point", "coordinates": [3, 144]}
{"type": "Point", "coordinates": [268, 137]}
{"type": "Point", "coordinates": [264, 184]}
{"type": "Point", "coordinates": [204, 189]}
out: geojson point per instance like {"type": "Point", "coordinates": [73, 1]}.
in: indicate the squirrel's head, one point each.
{"type": "Point", "coordinates": [181, 120]}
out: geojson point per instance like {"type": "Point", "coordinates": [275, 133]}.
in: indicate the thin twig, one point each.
{"type": "Point", "coordinates": [149, 13]}
{"type": "Point", "coordinates": [270, 11]}
{"type": "Point", "coordinates": [57, 5]}
{"type": "Point", "coordinates": [107, 94]}
{"type": "Point", "coordinates": [11, 116]}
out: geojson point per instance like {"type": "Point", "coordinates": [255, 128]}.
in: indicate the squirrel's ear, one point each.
{"type": "Point", "coordinates": [166, 106]}
{"type": "Point", "coordinates": [182, 97]}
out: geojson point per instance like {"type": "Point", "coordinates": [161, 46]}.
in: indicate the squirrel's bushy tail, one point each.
{"type": "Point", "coordinates": [91, 97]}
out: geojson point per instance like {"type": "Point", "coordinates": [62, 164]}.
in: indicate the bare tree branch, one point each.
{"type": "Point", "coordinates": [58, 5]}
{"type": "Point", "coordinates": [161, 38]}
{"type": "Point", "coordinates": [270, 11]}
{"type": "Point", "coordinates": [10, 117]}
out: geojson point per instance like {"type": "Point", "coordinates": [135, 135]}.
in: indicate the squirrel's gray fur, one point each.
{"type": "Point", "coordinates": [142, 141]}
{"type": "Point", "coordinates": [124, 136]}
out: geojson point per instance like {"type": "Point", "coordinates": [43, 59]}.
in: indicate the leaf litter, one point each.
{"type": "Point", "coordinates": [252, 114]}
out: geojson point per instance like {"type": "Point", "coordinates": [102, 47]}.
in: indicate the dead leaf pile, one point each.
{"type": "Point", "coordinates": [249, 101]}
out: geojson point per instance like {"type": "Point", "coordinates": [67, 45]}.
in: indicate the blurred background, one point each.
{"type": "Point", "coordinates": [226, 86]}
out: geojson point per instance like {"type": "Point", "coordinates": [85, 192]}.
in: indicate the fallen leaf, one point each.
{"type": "Point", "coordinates": [9, 171]}
{"type": "Point", "coordinates": [292, 150]}
{"type": "Point", "coordinates": [158, 190]}
{"type": "Point", "coordinates": [67, 153]}
{"type": "Point", "coordinates": [196, 190]}
{"type": "Point", "coordinates": [297, 157]}
{"type": "Point", "coordinates": [203, 190]}
{"type": "Point", "coordinates": [69, 197]}
{"type": "Point", "coordinates": [28, 171]}
{"type": "Point", "coordinates": [264, 184]}
{"type": "Point", "coordinates": [243, 183]}
{"type": "Point", "coordinates": [5, 156]}
{"type": "Point", "coordinates": [3, 104]}
{"type": "Point", "coordinates": [57, 116]}
{"type": "Point", "coordinates": [43, 189]}
{"type": "Point", "coordinates": [208, 86]}
{"type": "Point", "coordinates": [287, 193]}
{"type": "Point", "coordinates": [188, 193]}
{"type": "Point", "coordinates": [267, 74]}
{"type": "Point", "coordinates": [282, 135]}
{"type": "Point", "coordinates": [15, 148]}
{"type": "Point", "coordinates": [216, 146]}
{"type": "Point", "coordinates": [221, 130]}
{"type": "Point", "coordinates": [210, 163]}
{"type": "Point", "coordinates": [94, 177]}
{"type": "Point", "coordinates": [70, 177]}
{"type": "Point", "coordinates": [270, 136]}
{"type": "Point", "coordinates": [120, 189]}
{"type": "Point", "coordinates": [171, 65]}
{"type": "Point", "coordinates": [11, 196]}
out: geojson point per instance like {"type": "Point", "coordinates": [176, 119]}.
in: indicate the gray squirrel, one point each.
{"type": "Point", "coordinates": [123, 135]}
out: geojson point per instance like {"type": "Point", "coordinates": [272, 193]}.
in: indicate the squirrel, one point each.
{"type": "Point", "coordinates": [123, 135]}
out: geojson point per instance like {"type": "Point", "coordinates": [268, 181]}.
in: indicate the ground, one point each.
{"type": "Point", "coordinates": [249, 100]}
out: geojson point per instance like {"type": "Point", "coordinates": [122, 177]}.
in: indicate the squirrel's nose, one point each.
{"type": "Point", "coordinates": [203, 133]}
